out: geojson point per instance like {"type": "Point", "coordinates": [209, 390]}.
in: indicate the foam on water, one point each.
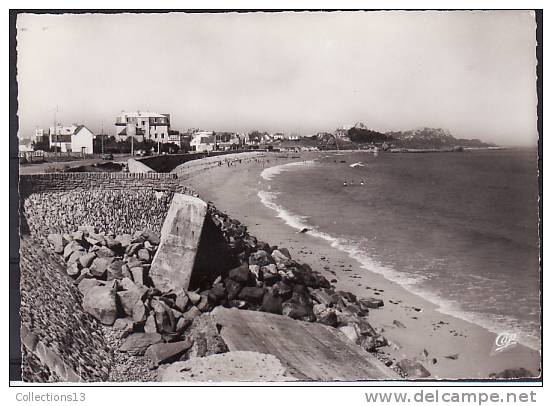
{"type": "Point", "coordinates": [269, 173]}
{"type": "Point", "coordinates": [413, 283]}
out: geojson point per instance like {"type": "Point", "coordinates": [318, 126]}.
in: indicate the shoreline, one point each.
{"type": "Point", "coordinates": [449, 347]}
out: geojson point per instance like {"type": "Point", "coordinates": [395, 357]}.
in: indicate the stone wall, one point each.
{"type": "Point", "coordinates": [60, 182]}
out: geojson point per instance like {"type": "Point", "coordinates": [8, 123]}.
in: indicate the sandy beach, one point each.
{"type": "Point", "coordinates": [450, 348]}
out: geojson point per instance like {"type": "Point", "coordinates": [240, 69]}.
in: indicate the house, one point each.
{"type": "Point", "coordinates": [25, 145]}
{"type": "Point", "coordinates": [202, 141]}
{"type": "Point", "coordinates": [73, 138]}
{"type": "Point", "coordinates": [143, 125]}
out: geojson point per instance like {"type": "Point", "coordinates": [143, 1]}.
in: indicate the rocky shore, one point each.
{"type": "Point", "coordinates": [106, 242]}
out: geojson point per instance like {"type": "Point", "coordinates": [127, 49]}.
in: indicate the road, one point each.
{"type": "Point", "coordinates": [47, 167]}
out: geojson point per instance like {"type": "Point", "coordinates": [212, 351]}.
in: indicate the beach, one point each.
{"type": "Point", "coordinates": [447, 346]}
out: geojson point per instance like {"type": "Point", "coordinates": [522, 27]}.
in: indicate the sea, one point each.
{"type": "Point", "coordinates": [460, 229]}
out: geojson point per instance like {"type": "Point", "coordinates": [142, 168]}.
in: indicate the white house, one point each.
{"type": "Point", "coordinates": [143, 125]}
{"type": "Point", "coordinates": [73, 138]}
{"type": "Point", "coordinates": [202, 141]}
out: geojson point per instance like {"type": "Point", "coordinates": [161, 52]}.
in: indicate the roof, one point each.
{"type": "Point", "coordinates": [143, 114]}
{"type": "Point", "coordinates": [80, 127]}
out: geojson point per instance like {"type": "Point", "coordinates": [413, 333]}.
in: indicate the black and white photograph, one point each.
{"type": "Point", "coordinates": [278, 196]}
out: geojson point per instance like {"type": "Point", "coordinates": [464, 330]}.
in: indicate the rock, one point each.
{"type": "Point", "coordinates": [98, 237]}
{"type": "Point", "coordinates": [250, 294]}
{"type": "Point", "coordinates": [183, 324]}
{"type": "Point", "coordinates": [104, 252]}
{"type": "Point", "coordinates": [322, 296]}
{"type": "Point", "coordinates": [398, 324]}
{"type": "Point", "coordinates": [329, 318]}
{"type": "Point", "coordinates": [364, 328]}
{"type": "Point", "coordinates": [192, 313]}
{"type": "Point", "coordinates": [137, 273]}
{"type": "Point", "coordinates": [272, 302]}
{"type": "Point", "coordinates": [129, 298]}
{"type": "Point", "coordinates": [371, 303]}
{"type": "Point", "coordinates": [413, 369]}
{"type": "Point", "coordinates": [73, 269]}
{"type": "Point", "coordinates": [115, 270]}
{"type": "Point", "coordinates": [239, 304]}
{"type": "Point", "coordinates": [167, 352]}
{"type": "Point", "coordinates": [298, 307]}
{"type": "Point", "coordinates": [139, 313]}
{"type": "Point", "coordinates": [350, 332]}
{"type": "Point", "coordinates": [164, 318]}
{"type": "Point", "coordinates": [144, 255]}
{"type": "Point", "coordinates": [279, 256]}
{"type": "Point", "coordinates": [133, 262]}
{"type": "Point", "coordinates": [86, 284]}
{"type": "Point", "coordinates": [203, 305]}
{"type": "Point", "coordinates": [133, 248]}
{"type": "Point", "coordinates": [254, 269]}
{"type": "Point", "coordinates": [84, 274]}
{"type": "Point", "coordinates": [99, 266]}
{"type": "Point", "coordinates": [260, 258]}
{"type": "Point", "coordinates": [101, 302]}
{"type": "Point", "coordinates": [513, 373]}
{"type": "Point", "coordinates": [124, 239]}
{"type": "Point", "coordinates": [241, 274]}
{"type": "Point", "coordinates": [78, 236]}
{"type": "Point", "coordinates": [318, 309]}
{"type": "Point", "coordinates": [348, 296]}
{"type": "Point", "coordinates": [56, 241]}
{"type": "Point", "coordinates": [232, 288]}
{"type": "Point", "coordinates": [194, 297]}
{"type": "Point", "coordinates": [181, 301]}
{"type": "Point", "coordinates": [124, 325]}
{"type": "Point", "coordinates": [216, 293]}
{"type": "Point", "coordinates": [150, 326]}
{"type": "Point", "coordinates": [369, 344]}
{"type": "Point", "coordinates": [284, 251]}
{"type": "Point", "coordinates": [87, 259]}
{"type": "Point", "coordinates": [151, 236]}
{"type": "Point", "coordinates": [125, 270]}
{"type": "Point", "coordinates": [138, 343]}
{"type": "Point", "coordinates": [74, 257]}
{"type": "Point", "coordinates": [283, 290]}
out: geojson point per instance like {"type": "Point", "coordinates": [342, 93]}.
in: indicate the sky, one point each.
{"type": "Point", "coordinates": [470, 72]}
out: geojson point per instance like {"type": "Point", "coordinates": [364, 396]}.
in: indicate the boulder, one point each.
{"type": "Point", "coordinates": [254, 269]}
{"type": "Point", "coordinates": [162, 353]}
{"type": "Point", "coordinates": [151, 236]}
{"type": "Point", "coordinates": [115, 270]}
{"type": "Point", "coordinates": [133, 248]}
{"type": "Point", "coordinates": [371, 303]}
{"type": "Point", "coordinates": [87, 229]}
{"type": "Point", "coordinates": [216, 293]}
{"type": "Point", "coordinates": [324, 297]}
{"type": "Point", "coordinates": [232, 288]}
{"type": "Point", "coordinates": [129, 298]}
{"type": "Point", "coordinates": [99, 266]}
{"type": "Point", "coordinates": [413, 369]}
{"type": "Point", "coordinates": [350, 332]}
{"type": "Point", "coordinates": [138, 343]}
{"type": "Point", "coordinates": [56, 241]}
{"type": "Point", "coordinates": [283, 290]}
{"type": "Point", "coordinates": [87, 259]}
{"type": "Point", "coordinates": [78, 236]}
{"type": "Point", "coordinates": [133, 262]}
{"type": "Point", "coordinates": [139, 312]}
{"type": "Point", "coordinates": [101, 302]}
{"type": "Point", "coordinates": [150, 326]}
{"type": "Point", "coordinates": [105, 252]}
{"type": "Point", "coordinates": [203, 305]}
{"type": "Point", "coordinates": [84, 274]}
{"type": "Point", "coordinates": [329, 318]}
{"type": "Point", "coordinates": [279, 256]}
{"type": "Point", "coordinates": [124, 239]}
{"type": "Point", "coordinates": [144, 255]}
{"type": "Point", "coordinates": [86, 284]}
{"type": "Point", "coordinates": [194, 297]}
{"type": "Point", "coordinates": [251, 294]}
{"type": "Point", "coordinates": [298, 307]}
{"type": "Point", "coordinates": [124, 325]}
{"type": "Point", "coordinates": [164, 317]}
{"type": "Point", "coordinates": [351, 298]}
{"type": "Point", "coordinates": [260, 258]}
{"type": "Point", "coordinates": [137, 273]}
{"type": "Point", "coordinates": [241, 274]}
{"type": "Point", "coordinates": [73, 269]}
{"type": "Point", "coordinates": [181, 301]}
{"type": "Point", "coordinates": [272, 302]}
{"type": "Point", "coordinates": [183, 324]}
{"type": "Point", "coordinates": [192, 313]}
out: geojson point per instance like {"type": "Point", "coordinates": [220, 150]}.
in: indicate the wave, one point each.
{"type": "Point", "coordinates": [269, 173]}
{"type": "Point", "coordinates": [412, 283]}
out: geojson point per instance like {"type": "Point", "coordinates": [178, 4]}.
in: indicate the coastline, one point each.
{"type": "Point", "coordinates": [449, 347]}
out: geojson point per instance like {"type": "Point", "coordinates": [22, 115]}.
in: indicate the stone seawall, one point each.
{"type": "Point", "coordinates": [61, 182]}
